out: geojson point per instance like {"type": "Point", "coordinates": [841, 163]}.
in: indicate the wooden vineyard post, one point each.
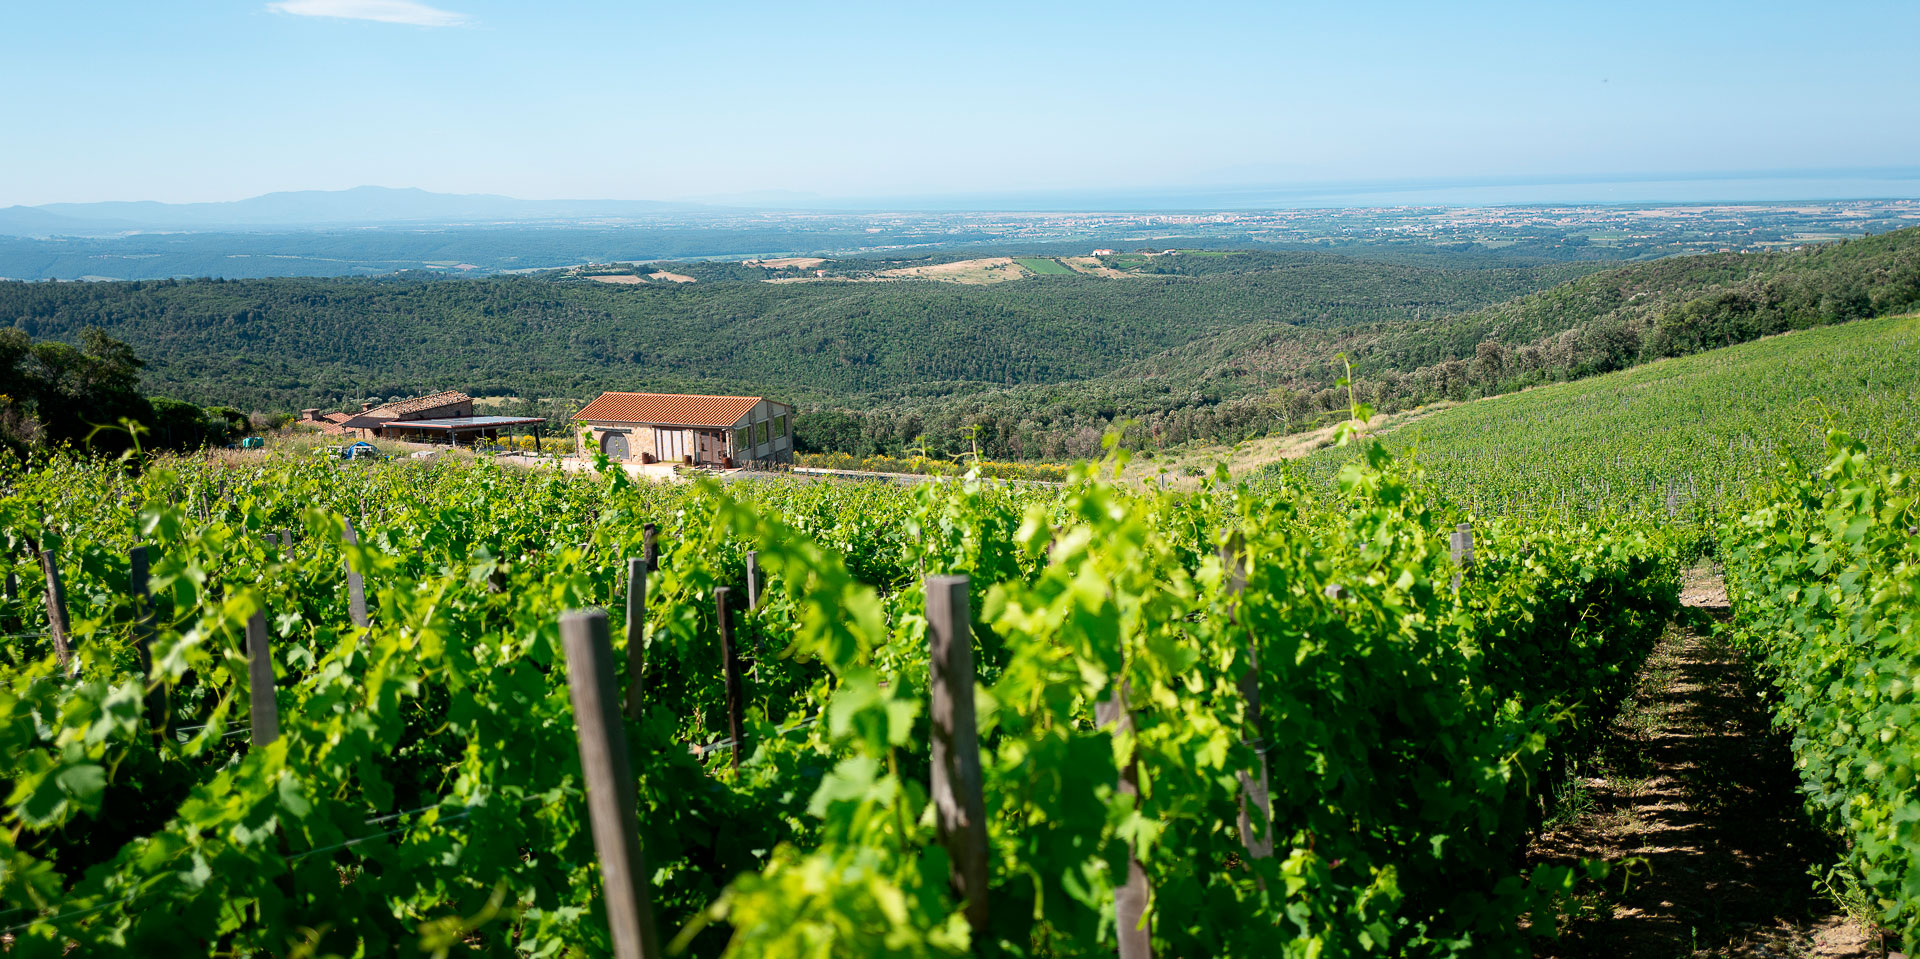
{"type": "Point", "coordinates": [264, 712]}
{"type": "Point", "coordinates": [1254, 790]}
{"type": "Point", "coordinates": [636, 633]}
{"type": "Point", "coordinates": [611, 803]}
{"type": "Point", "coordinates": [159, 707]}
{"type": "Point", "coordinates": [356, 587]}
{"type": "Point", "coordinates": [12, 594]}
{"type": "Point", "coordinates": [56, 608]}
{"type": "Point", "coordinates": [650, 546]}
{"type": "Point", "coordinates": [959, 805]}
{"type": "Point", "coordinates": [1462, 550]}
{"type": "Point", "coordinates": [1129, 899]}
{"type": "Point", "coordinates": [753, 604]}
{"type": "Point", "coordinates": [137, 574]}
{"type": "Point", "coordinates": [730, 655]}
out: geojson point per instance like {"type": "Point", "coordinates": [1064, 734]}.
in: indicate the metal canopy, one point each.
{"type": "Point", "coordinates": [458, 423]}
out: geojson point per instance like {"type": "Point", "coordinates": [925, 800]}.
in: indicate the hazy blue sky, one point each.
{"type": "Point", "coordinates": [222, 99]}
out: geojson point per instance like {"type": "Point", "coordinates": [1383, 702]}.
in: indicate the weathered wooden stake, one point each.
{"type": "Point", "coordinates": [286, 540]}
{"type": "Point", "coordinates": [611, 804]}
{"type": "Point", "coordinates": [1254, 790]}
{"type": "Point", "coordinates": [1130, 899]}
{"type": "Point", "coordinates": [1463, 545]}
{"type": "Point", "coordinates": [959, 805]}
{"type": "Point", "coordinates": [137, 575]}
{"type": "Point", "coordinates": [636, 634]}
{"type": "Point", "coordinates": [264, 712]}
{"type": "Point", "coordinates": [56, 608]}
{"type": "Point", "coordinates": [159, 707]}
{"type": "Point", "coordinates": [1462, 550]}
{"type": "Point", "coordinates": [753, 580]}
{"type": "Point", "coordinates": [650, 546]}
{"type": "Point", "coordinates": [356, 587]}
{"type": "Point", "coordinates": [730, 654]}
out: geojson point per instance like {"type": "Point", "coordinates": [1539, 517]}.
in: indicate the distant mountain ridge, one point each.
{"type": "Point", "coordinates": [308, 208]}
{"type": "Point", "coordinates": [376, 206]}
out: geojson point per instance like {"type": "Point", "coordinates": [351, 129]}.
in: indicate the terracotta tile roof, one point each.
{"type": "Point", "coordinates": [418, 403]}
{"type": "Point", "coordinates": [329, 423]}
{"type": "Point", "coordinates": [669, 409]}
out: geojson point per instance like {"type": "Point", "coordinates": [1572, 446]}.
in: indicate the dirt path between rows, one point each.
{"type": "Point", "coordinates": [1693, 782]}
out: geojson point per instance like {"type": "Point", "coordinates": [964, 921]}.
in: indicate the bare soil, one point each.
{"type": "Point", "coordinates": [1246, 457]}
{"type": "Point", "coordinates": [1091, 266]}
{"type": "Point", "coordinates": [993, 269]}
{"type": "Point", "coordinates": [1694, 798]}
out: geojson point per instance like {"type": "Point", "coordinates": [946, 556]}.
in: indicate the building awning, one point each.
{"type": "Point", "coordinates": [461, 423]}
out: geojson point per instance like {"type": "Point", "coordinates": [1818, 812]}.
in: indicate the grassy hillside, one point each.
{"type": "Point", "coordinates": [1684, 434]}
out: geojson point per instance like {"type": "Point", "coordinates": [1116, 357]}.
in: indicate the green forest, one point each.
{"type": "Point", "coordinates": [1212, 347]}
{"type": "Point", "coordinates": [59, 394]}
{"type": "Point", "coordinates": [284, 344]}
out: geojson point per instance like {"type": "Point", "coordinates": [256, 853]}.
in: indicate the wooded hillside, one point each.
{"type": "Point", "coordinates": [1235, 348]}
{"type": "Point", "coordinates": [298, 342]}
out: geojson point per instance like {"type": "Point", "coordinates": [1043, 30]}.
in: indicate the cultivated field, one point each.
{"type": "Point", "coordinates": [993, 269]}
{"type": "Point", "coordinates": [1043, 266]}
{"type": "Point", "coordinates": [1689, 435]}
{"type": "Point", "coordinates": [788, 263]}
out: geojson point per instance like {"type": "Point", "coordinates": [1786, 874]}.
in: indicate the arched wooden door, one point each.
{"type": "Point", "coordinates": [615, 446]}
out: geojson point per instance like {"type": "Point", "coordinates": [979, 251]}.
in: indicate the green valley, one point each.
{"type": "Point", "coordinates": [1178, 349]}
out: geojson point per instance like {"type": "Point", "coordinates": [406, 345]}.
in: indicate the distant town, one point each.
{"type": "Point", "coordinates": [488, 245]}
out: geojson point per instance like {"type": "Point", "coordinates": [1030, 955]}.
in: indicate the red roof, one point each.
{"type": "Point", "coordinates": [431, 401]}
{"type": "Point", "coordinates": [667, 409]}
{"type": "Point", "coordinates": [329, 423]}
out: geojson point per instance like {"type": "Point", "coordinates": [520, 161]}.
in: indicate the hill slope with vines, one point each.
{"type": "Point", "coordinates": [1689, 435]}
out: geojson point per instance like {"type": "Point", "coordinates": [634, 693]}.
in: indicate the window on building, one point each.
{"type": "Point", "coordinates": [759, 432]}
{"type": "Point", "coordinates": [669, 445]}
{"type": "Point", "coordinates": [742, 438]}
{"type": "Point", "coordinates": [780, 426]}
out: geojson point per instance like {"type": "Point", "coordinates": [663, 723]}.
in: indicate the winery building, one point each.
{"type": "Point", "coordinates": [717, 431]}
{"type": "Point", "coordinates": [443, 417]}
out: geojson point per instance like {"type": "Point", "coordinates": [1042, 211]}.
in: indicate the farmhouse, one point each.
{"type": "Point", "coordinates": [722, 431]}
{"type": "Point", "coordinates": [443, 417]}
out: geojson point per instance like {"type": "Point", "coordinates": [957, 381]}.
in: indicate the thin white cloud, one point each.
{"type": "Point", "coordinates": [382, 11]}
